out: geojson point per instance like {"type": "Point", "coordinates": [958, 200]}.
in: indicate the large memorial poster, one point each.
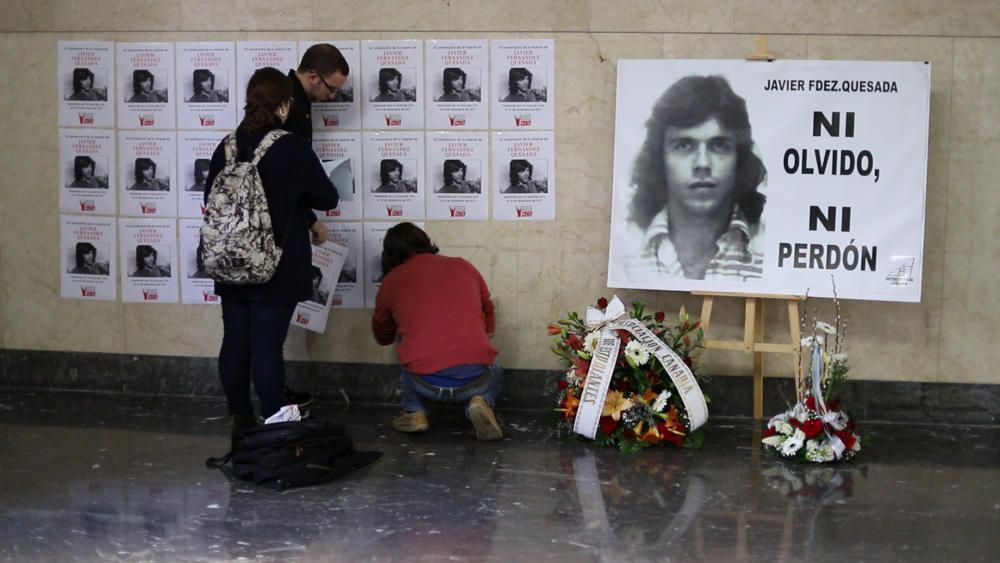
{"type": "Point", "coordinates": [86, 75]}
{"type": "Point", "coordinates": [206, 76]}
{"type": "Point", "coordinates": [770, 178]}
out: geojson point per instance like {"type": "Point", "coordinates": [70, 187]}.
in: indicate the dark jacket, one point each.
{"type": "Point", "coordinates": [294, 183]}
{"type": "Point", "coordinates": [300, 114]}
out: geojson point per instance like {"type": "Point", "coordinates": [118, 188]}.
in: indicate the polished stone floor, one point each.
{"type": "Point", "coordinates": [87, 477]}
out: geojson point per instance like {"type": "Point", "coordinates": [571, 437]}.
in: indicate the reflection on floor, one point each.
{"type": "Point", "coordinates": [94, 477]}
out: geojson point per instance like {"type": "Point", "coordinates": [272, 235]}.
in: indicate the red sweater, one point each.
{"type": "Point", "coordinates": [441, 308]}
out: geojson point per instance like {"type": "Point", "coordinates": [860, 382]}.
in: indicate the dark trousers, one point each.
{"type": "Point", "coordinates": [252, 341]}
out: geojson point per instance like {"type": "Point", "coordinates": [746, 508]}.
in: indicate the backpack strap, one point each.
{"type": "Point", "coordinates": [265, 144]}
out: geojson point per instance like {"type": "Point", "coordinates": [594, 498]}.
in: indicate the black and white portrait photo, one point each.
{"type": "Point", "coordinates": [88, 172]}
{"type": "Point", "coordinates": [396, 177]}
{"type": "Point", "coordinates": [349, 273]}
{"type": "Point", "coordinates": [144, 176]}
{"type": "Point", "coordinates": [199, 175]}
{"type": "Point", "coordinates": [525, 177]}
{"type": "Point", "coordinates": [208, 87]}
{"type": "Point", "coordinates": [90, 259]}
{"type": "Point", "coordinates": [395, 85]}
{"type": "Point", "coordinates": [459, 85]}
{"type": "Point", "coordinates": [150, 262]}
{"type": "Point", "coordinates": [147, 87]}
{"type": "Point", "coordinates": [695, 181]}
{"type": "Point", "coordinates": [88, 85]}
{"type": "Point", "coordinates": [460, 177]}
{"type": "Point", "coordinates": [524, 85]}
{"type": "Point", "coordinates": [320, 287]}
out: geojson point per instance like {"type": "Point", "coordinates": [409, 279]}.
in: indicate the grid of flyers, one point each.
{"type": "Point", "coordinates": [421, 130]}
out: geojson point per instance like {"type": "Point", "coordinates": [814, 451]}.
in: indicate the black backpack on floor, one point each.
{"type": "Point", "coordinates": [293, 454]}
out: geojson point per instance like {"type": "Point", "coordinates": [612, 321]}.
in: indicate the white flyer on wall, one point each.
{"type": "Point", "coordinates": [196, 287]}
{"type": "Point", "coordinates": [148, 256]}
{"type": "Point", "coordinates": [87, 258]}
{"type": "Point", "coordinates": [147, 173]}
{"type": "Point", "coordinates": [327, 260]}
{"type": "Point", "coordinates": [252, 55]}
{"type": "Point", "coordinates": [87, 171]}
{"type": "Point", "coordinates": [349, 292]}
{"type": "Point", "coordinates": [457, 175]}
{"type": "Point", "coordinates": [457, 83]}
{"type": "Point", "coordinates": [524, 176]}
{"type": "Point", "coordinates": [206, 76]}
{"type": "Point", "coordinates": [145, 90]}
{"type": "Point", "coordinates": [374, 234]}
{"type": "Point", "coordinates": [524, 82]}
{"type": "Point", "coordinates": [394, 170]}
{"type": "Point", "coordinates": [194, 157]}
{"type": "Point", "coordinates": [344, 110]}
{"type": "Point", "coordinates": [392, 71]}
{"type": "Point", "coordinates": [86, 79]}
{"type": "Point", "coordinates": [340, 153]}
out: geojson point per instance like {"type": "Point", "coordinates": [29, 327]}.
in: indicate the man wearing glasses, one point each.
{"type": "Point", "coordinates": [322, 71]}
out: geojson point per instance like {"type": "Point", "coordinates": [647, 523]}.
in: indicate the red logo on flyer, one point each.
{"type": "Point", "coordinates": [209, 297]}
{"type": "Point", "coordinates": [393, 120]}
{"type": "Point", "coordinates": [456, 120]}
{"type": "Point", "coordinates": [150, 295]}
{"type": "Point", "coordinates": [337, 300]}
{"type": "Point", "coordinates": [87, 205]}
{"type": "Point", "coordinates": [524, 211]}
{"type": "Point", "coordinates": [394, 210]}
{"type": "Point", "coordinates": [147, 208]}
{"type": "Point", "coordinates": [330, 120]}
{"type": "Point", "coordinates": [302, 318]}
{"type": "Point", "coordinates": [146, 121]}
{"type": "Point", "coordinates": [206, 120]}
{"type": "Point", "coordinates": [333, 212]}
{"type": "Point", "coordinates": [457, 210]}
{"type": "Point", "coordinates": [86, 118]}
{"type": "Point", "coordinates": [88, 291]}
{"type": "Point", "coordinates": [202, 209]}
{"type": "Point", "coordinates": [522, 120]}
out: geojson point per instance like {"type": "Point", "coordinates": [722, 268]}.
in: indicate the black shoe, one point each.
{"type": "Point", "coordinates": [300, 398]}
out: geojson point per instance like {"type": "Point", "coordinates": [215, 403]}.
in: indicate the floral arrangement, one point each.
{"type": "Point", "coordinates": [812, 486]}
{"type": "Point", "coordinates": [816, 430]}
{"type": "Point", "coordinates": [642, 407]}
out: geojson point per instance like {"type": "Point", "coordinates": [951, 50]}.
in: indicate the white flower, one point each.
{"type": "Point", "coordinates": [839, 357]}
{"type": "Point", "coordinates": [784, 428]}
{"type": "Point", "coordinates": [857, 445]}
{"type": "Point", "coordinates": [819, 451]}
{"type": "Point", "coordinates": [661, 401]}
{"type": "Point", "coordinates": [635, 352]}
{"type": "Point", "coordinates": [783, 417]}
{"type": "Point", "coordinates": [590, 341]}
{"type": "Point", "coordinates": [802, 416]}
{"type": "Point", "coordinates": [793, 443]}
{"type": "Point", "coordinates": [773, 441]}
{"type": "Point", "coordinates": [826, 327]}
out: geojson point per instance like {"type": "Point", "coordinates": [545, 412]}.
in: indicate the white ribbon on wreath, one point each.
{"type": "Point", "coordinates": [829, 418]}
{"type": "Point", "coordinates": [605, 356]}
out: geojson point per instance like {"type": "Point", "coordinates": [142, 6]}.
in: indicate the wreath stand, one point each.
{"type": "Point", "coordinates": [753, 334]}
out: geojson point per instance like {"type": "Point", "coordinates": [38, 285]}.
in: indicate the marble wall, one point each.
{"type": "Point", "coordinates": [539, 271]}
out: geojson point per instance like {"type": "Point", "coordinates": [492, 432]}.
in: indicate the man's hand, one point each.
{"type": "Point", "coordinates": [320, 233]}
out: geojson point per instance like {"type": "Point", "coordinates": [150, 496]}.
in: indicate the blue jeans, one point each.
{"type": "Point", "coordinates": [415, 393]}
{"type": "Point", "coordinates": [252, 342]}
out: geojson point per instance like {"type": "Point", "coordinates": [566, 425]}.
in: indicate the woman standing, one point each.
{"type": "Point", "coordinates": [256, 317]}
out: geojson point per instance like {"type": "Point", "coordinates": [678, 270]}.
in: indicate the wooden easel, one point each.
{"type": "Point", "coordinates": [753, 329]}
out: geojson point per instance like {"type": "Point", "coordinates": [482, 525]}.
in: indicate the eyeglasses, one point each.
{"type": "Point", "coordinates": [331, 89]}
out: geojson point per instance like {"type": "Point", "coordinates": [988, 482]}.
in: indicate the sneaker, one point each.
{"type": "Point", "coordinates": [300, 398]}
{"type": "Point", "coordinates": [411, 422]}
{"type": "Point", "coordinates": [483, 419]}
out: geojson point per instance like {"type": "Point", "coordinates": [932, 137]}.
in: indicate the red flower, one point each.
{"type": "Point", "coordinates": [554, 329]}
{"type": "Point", "coordinates": [629, 434]}
{"type": "Point", "coordinates": [833, 405]}
{"type": "Point", "coordinates": [794, 422]}
{"type": "Point", "coordinates": [659, 316]}
{"type": "Point", "coordinates": [768, 432]}
{"type": "Point", "coordinates": [847, 437]}
{"type": "Point", "coordinates": [580, 365]}
{"type": "Point", "coordinates": [811, 403]}
{"type": "Point", "coordinates": [623, 386]}
{"type": "Point", "coordinates": [575, 342]}
{"type": "Point", "coordinates": [812, 428]}
{"type": "Point", "coordinates": [625, 337]}
{"type": "Point", "coordinates": [563, 384]}
{"type": "Point", "coordinates": [654, 378]}
{"type": "Point", "coordinates": [668, 436]}
{"type": "Point", "coordinates": [687, 361]}
{"type": "Point", "coordinates": [602, 303]}
{"type": "Point", "coordinates": [608, 425]}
